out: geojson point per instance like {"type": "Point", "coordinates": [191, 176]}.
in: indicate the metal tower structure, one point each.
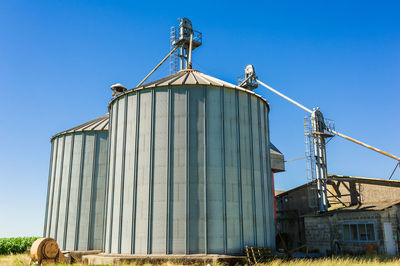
{"type": "Point", "coordinates": [184, 40]}
{"type": "Point", "coordinates": [249, 79]}
{"type": "Point", "coordinates": [317, 130]}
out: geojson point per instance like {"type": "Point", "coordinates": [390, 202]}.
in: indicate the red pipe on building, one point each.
{"type": "Point", "coordinates": [273, 191]}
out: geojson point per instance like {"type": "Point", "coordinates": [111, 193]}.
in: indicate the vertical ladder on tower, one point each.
{"type": "Point", "coordinates": [316, 134]}
{"type": "Point", "coordinates": [173, 60]}
{"type": "Point", "coordinates": [310, 165]}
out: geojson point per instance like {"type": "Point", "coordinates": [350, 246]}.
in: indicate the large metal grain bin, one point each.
{"type": "Point", "coordinates": [189, 169]}
{"type": "Point", "coordinates": [76, 190]}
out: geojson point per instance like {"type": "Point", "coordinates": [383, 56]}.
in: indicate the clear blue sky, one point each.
{"type": "Point", "coordinates": [58, 59]}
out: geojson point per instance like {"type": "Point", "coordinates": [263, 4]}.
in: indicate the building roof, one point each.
{"type": "Point", "coordinates": [190, 77]}
{"type": "Point", "coordinates": [366, 180]}
{"type": "Point", "coordinates": [377, 206]}
{"type": "Point", "coordinates": [362, 180]}
{"type": "Point", "coordinates": [98, 124]}
{"type": "Point", "coordinates": [284, 193]}
{"type": "Point", "coordinates": [275, 149]}
{"type": "Point", "coordinates": [278, 192]}
{"type": "Point", "coordinates": [370, 206]}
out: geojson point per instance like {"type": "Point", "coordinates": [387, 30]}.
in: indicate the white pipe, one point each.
{"type": "Point", "coordinates": [285, 97]}
{"type": "Point", "coordinates": [190, 52]}
{"type": "Point", "coordinates": [363, 144]}
{"type": "Point", "coordinates": [165, 59]}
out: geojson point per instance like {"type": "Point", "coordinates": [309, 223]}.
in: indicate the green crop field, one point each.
{"type": "Point", "coordinates": [15, 245]}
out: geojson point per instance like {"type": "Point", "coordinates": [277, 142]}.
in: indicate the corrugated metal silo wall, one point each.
{"type": "Point", "coordinates": [76, 190]}
{"type": "Point", "coordinates": [195, 175]}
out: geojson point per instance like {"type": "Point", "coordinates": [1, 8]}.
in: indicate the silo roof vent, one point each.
{"type": "Point", "coordinates": [117, 89]}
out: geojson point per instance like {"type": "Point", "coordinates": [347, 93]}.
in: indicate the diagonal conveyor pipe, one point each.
{"type": "Point", "coordinates": [363, 144]}
{"type": "Point", "coordinates": [332, 131]}
{"type": "Point", "coordinates": [285, 97]}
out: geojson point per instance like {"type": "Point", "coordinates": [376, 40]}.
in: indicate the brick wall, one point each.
{"type": "Point", "coordinates": [322, 231]}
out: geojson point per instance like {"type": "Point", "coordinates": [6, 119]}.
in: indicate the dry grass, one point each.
{"type": "Point", "coordinates": [23, 259]}
{"type": "Point", "coordinates": [336, 261]}
{"type": "Point", "coordinates": [19, 259]}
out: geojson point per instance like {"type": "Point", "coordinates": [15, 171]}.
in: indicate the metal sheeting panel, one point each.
{"type": "Point", "coordinates": [234, 227]}
{"type": "Point", "coordinates": [143, 175]}
{"type": "Point", "coordinates": [215, 179]}
{"type": "Point", "coordinates": [189, 172]}
{"type": "Point", "coordinates": [129, 178]}
{"type": "Point", "coordinates": [178, 175]}
{"type": "Point", "coordinates": [246, 169]}
{"type": "Point", "coordinates": [160, 173]}
{"type": "Point", "coordinates": [75, 207]}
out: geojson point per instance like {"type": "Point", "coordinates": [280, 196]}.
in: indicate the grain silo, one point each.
{"type": "Point", "coordinates": [189, 168]}
{"type": "Point", "coordinates": [76, 188]}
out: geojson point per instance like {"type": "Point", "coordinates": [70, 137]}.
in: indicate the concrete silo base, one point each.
{"type": "Point", "coordinates": [194, 259]}
{"type": "Point", "coordinates": [77, 255]}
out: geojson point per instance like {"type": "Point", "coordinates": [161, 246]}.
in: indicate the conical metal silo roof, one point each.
{"type": "Point", "coordinates": [190, 77]}
{"type": "Point", "coordinates": [98, 124]}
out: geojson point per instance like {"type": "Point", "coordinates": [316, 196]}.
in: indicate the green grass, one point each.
{"type": "Point", "coordinates": [15, 245]}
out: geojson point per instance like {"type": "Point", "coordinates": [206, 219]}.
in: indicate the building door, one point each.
{"type": "Point", "coordinates": [389, 241]}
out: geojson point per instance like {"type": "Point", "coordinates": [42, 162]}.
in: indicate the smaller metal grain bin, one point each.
{"type": "Point", "coordinates": [76, 188]}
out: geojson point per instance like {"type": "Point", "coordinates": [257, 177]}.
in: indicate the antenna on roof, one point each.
{"type": "Point", "coordinates": [186, 39]}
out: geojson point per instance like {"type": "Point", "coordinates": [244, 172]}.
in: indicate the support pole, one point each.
{"type": "Point", "coordinates": [397, 164]}
{"type": "Point", "coordinates": [162, 62]}
{"type": "Point", "coordinates": [189, 65]}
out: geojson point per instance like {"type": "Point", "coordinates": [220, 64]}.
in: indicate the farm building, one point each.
{"type": "Point", "coordinates": [180, 166]}
{"type": "Point", "coordinates": [363, 217]}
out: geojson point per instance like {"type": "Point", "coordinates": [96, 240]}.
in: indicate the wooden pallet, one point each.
{"type": "Point", "coordinates": [257, 254]}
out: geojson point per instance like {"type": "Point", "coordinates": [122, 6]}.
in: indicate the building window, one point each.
{"type": "Point", "coordinates": [359, 232]}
